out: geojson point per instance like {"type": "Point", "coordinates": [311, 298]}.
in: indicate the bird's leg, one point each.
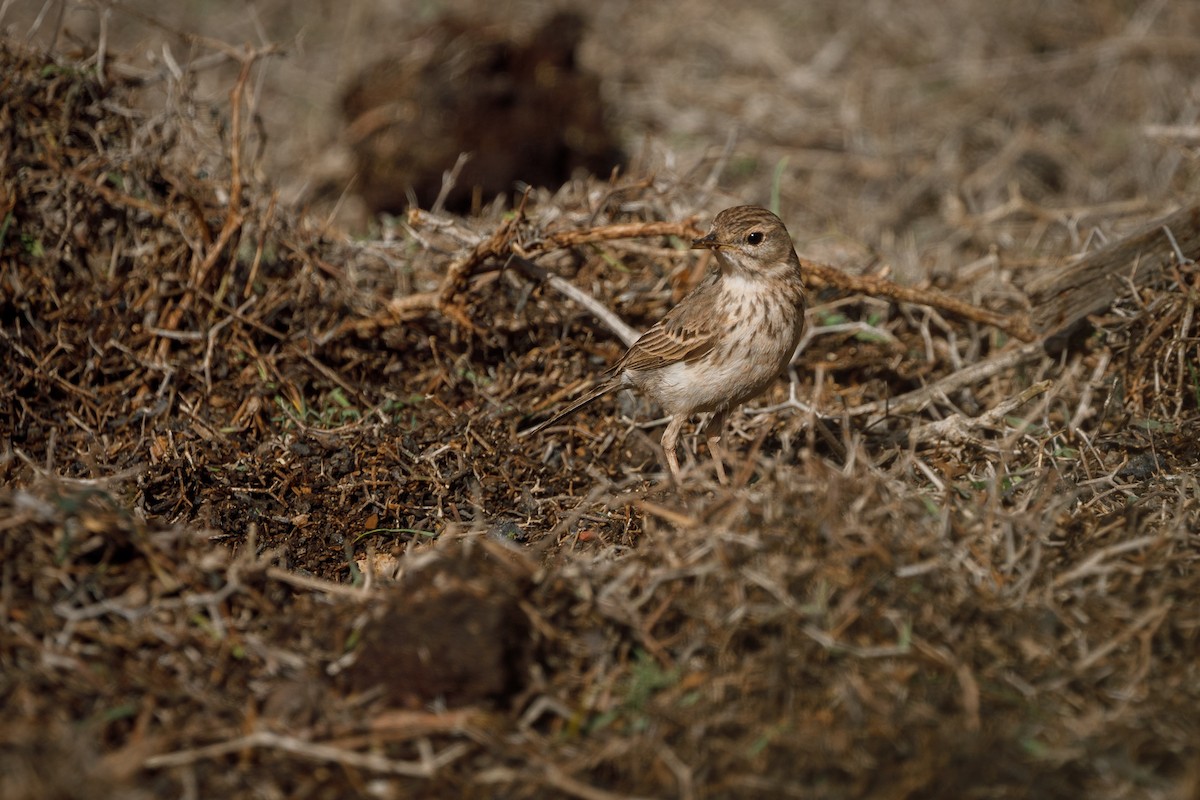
{"type": "Point", "coordinates": [670, 438]}
{"type": "Point", "coordinates": [713, 430]}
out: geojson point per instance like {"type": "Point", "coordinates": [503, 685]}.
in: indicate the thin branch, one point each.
{"type": "Point", "coordinates": [958, 428]}
{"type": "Point", "coordinates": [968, 376]}
{"type": "Point", "coordinates": [500, 246]}
{"type": "Point", "coordinates": [267, 740]}
{"type": "Point", "coordinates": [822, 275]}
{"type": "Point", "coordinates": [1151, 618]}
{"type": "Point", "coordinates": [1094, 564]}
{"type": "Point", "coordinates": [626, 333]}
{"type": "Point", "coordinates": [312, 584]}
{"type": "Point", "coordinates": [504, 243]}
{"type": "Point", "coordinates": [449, 181]}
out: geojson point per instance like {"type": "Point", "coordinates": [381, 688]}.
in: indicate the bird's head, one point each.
{"type": "Point", "coordinates": [749, 239]}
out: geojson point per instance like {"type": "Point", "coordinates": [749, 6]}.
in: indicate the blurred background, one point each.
{"type": "Point", "coordinates": [920, 136]}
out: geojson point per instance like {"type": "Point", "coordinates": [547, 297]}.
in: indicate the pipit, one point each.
{"type": "Point", "coordinates": [726, 341]}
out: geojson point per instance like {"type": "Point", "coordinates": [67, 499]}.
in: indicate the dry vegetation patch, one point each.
{"type": "Point", "coordinates": [219, 417]}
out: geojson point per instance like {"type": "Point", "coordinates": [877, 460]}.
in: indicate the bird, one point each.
{"type": "Point", "coordinates": [726, 341]}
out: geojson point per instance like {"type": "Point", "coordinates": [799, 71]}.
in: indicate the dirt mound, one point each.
{"type": "Point", "coordinates": [522, 112]}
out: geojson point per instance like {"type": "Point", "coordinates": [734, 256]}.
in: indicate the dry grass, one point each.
{"type": "Point", "coordinates": [222, 418]}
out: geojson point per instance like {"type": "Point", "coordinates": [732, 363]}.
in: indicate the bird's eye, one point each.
{"type": "Point", "coordinates": [754, 238]}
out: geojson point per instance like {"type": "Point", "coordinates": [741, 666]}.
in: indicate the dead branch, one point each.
{"type": "Point", "coordinates": [423, 768]}
{"type": "Point", "coordinates": [819, 275]}
{"type": "Point", "coordinates": [502, 245]}
{"type": "Point", "coordinates": [1066, 296]}
{"type": "Point", "coordinates": [919, 398]}
{"type": "Point", "coordinates": [957, 429]}
{"type": "Point", "coordinates": [604, 233]}
{"type": "Point", "coordinates": [234, 217]}
{"type": "Point", "coordinates": [626, 333]}
{"type": "Point", "coordinates": [309, 583]}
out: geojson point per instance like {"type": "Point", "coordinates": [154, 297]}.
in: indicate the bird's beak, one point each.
{"type": "Point", "coordinates": [708, 242]}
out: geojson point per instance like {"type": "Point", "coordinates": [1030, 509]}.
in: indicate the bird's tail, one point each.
{"type": "Point", "coordinates": [599, 390]}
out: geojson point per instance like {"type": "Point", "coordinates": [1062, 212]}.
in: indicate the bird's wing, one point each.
{"type": "Point", "coordinates": [688, 331]}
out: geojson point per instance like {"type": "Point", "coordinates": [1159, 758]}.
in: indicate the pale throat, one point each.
{"type": "Point", "coordinates": [732, 266]}
{"type": "Point", "coordinates": [743, 284]}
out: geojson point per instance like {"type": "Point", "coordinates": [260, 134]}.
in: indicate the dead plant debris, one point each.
{"type": "Point", "coordinates": [219, 418]}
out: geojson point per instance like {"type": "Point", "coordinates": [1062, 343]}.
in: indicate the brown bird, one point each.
{"type": "Point", "coordinates": [726, 341]}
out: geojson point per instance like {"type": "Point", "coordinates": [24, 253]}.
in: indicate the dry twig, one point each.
{"type": "Point", "coordinates": [919, 398]}
{"type": "Point", "coordinates": [824, 275]}
{"type": "Point", "coordinates": [268, 740]}
{"type": "Point", "coordinates": [958, 428]}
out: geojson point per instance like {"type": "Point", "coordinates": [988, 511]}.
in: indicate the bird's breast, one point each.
{"type": "Point", "coordinates": [758, 332]}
